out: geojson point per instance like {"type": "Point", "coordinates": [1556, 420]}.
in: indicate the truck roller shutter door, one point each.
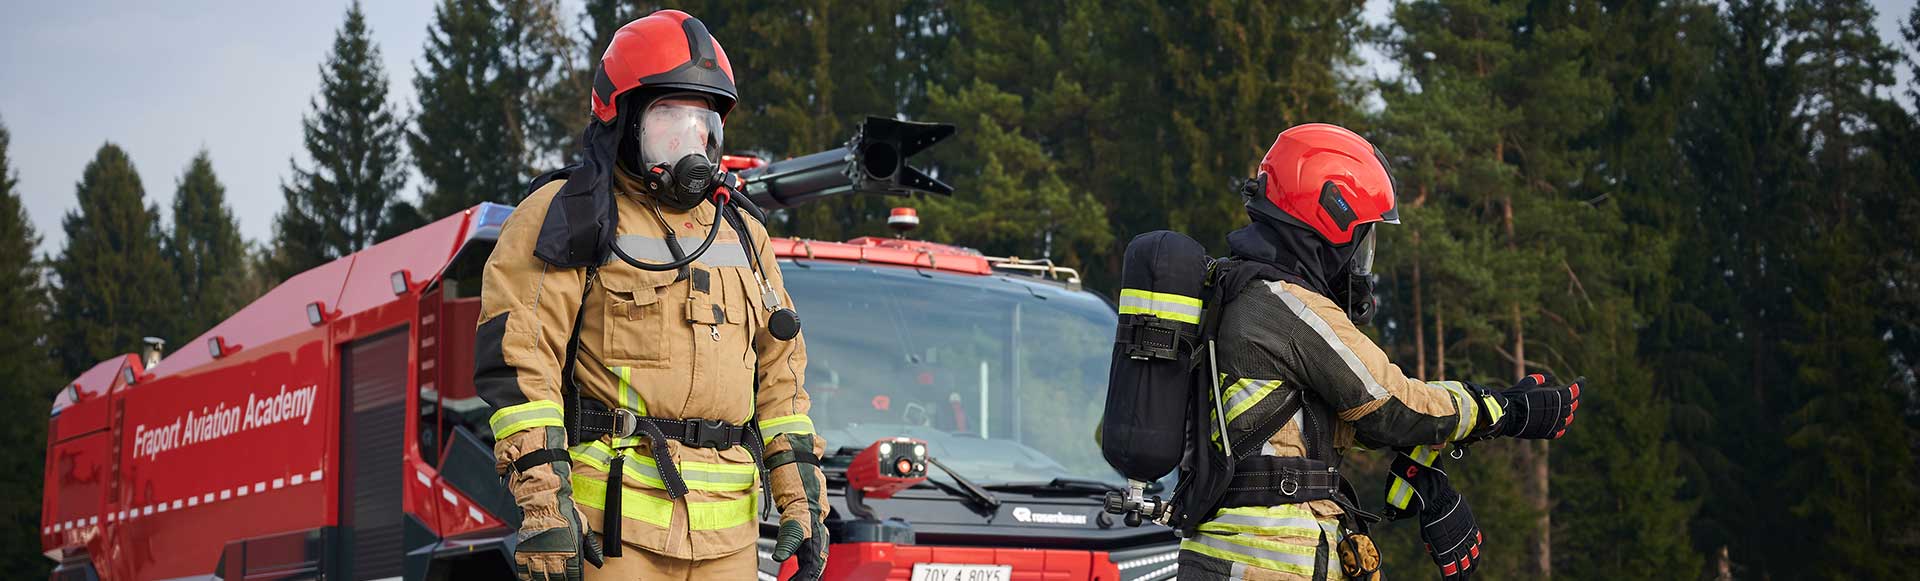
{"type": "Point", "coordinates": [373, 388]}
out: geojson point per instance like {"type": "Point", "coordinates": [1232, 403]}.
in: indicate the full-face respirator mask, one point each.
{"type": "Point", "coordinates": [674, 153]}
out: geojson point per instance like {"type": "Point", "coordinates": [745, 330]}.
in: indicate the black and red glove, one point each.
{"type": "Point", "coordinates": [1535, 408]}
{"type": "Point", "coordinates": [1447, 526]}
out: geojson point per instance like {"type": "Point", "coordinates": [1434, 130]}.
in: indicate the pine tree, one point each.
{"type": "Point", "coordinates": [206, 251]}
{"type": "Point", "coordinates": [353, 138]}
{"type": "Point", "coordinates": [1860, 501]}
{"type": "Point", "coordinates": [30, 372]}
{"type": "Point", "coordinates": [474, 137]}
{"type": "Point", "coordinates": [1718, 343]}
{"type": "Point", "coordinates": [114, 284]}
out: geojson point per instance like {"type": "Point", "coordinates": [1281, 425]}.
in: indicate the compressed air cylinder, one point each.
{"type": "Point", "coordinates": [1151, 382]}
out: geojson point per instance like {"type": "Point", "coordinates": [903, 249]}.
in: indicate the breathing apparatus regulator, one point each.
{"type": "Point", "coordinates": [673, 152]}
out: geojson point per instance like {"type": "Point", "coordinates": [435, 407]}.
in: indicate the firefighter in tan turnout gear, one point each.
{"type": "Point", "coordinates": [638, 346]}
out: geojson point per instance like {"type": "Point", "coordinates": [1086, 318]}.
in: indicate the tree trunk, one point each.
{"type": "Point", "coordinates": [1419, 320]}
{"type": "Point", "coordinates": [1532, 455]}
{"type": "Point", "coordinates": [1439, 342]}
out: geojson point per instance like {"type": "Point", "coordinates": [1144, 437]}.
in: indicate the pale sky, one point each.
{"type": "Point", "coordinates": [165, 79]}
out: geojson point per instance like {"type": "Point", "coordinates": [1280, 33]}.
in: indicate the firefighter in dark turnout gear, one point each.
{"type": "Point", "coordinates": [1290, 352]}
{"type": "Point", "coordinates": [642, 397]}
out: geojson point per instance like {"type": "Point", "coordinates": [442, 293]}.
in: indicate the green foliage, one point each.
{"type": "Point", "coordinates": [206, 252]}
{"type": "Point", "coordinates": [114, 285]}
{"type": "Point", "coordinates": [473, 137]}
{"type": "Point", "coordinates": [346, 200]}
{"type": "Point", "coordinates": [31, 380]}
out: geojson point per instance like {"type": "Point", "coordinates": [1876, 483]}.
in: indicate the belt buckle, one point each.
{"type": "Point", "coordinates": [625, 423]}
{"type": "Point", "coordinates": [708, 434]}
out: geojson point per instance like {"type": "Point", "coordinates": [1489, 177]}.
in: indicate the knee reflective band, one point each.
{"type": "Point", "coordinates": [510, 420]}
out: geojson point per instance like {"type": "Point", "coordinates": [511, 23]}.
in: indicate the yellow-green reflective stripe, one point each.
{"type": "Point", "coordinates": [1284, 520]}
{"type": "Point", "coordinates": [1244, 399]}
{"type": "Point", "coordinates": [635, 505]}
{"type": "Point", "coordinates": [627, 398]}
{"type": "Point", "coordinates": [1463, 406]}
{"type": "Point", "coordinates": [1399, 492]}
{"type": "Point", "coordinates": [1164, 305]}
{"type": "Point", "coordinates": [794, 424]}
{"type": "Point", "coordinates": [701, 516]}
{"type": "Point", "coordinates": [512, 419]}
{"type": "Point", "coordinates": [697, 475]}
{"type": "Point", "coordinates": [721, 514]}
{"type": "Point", "coordinates": [1253, 551]}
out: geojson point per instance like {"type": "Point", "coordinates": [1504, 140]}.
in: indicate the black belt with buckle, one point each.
{"type": "Point", "coordinates": [595, 419]}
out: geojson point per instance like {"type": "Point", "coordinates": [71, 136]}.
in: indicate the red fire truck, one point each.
{"type": "Point", "coordinates": [330, 429]}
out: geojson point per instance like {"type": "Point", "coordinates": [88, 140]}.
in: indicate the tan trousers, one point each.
{"type": "Point", "coordinates": [636, 564]}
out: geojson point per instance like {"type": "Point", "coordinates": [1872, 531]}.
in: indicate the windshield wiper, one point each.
{"type": "Point", "coordinates": [1074, 486]}
{"type": "Point", "coordinates": [975, 496]}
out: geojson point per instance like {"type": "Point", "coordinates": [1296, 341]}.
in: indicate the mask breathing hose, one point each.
{"type": "Point", "coordinates": [712, 233]}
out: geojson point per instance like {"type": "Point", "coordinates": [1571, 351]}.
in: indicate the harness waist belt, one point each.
{"type": "Point", "coordinates": [1272, 481]}
{"type": "Point", "coordinates": [598, 419]}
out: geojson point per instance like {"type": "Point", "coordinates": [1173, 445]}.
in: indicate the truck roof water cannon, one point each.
{"type": "Point", "coordinates": [874, 161]}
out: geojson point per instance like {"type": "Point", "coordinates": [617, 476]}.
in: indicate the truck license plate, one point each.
{"type": "Point", "coordinates": [952, 572]}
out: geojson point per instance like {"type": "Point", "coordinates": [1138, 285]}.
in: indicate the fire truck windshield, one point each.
{"type": "Point", "coordinates": [1003, 376]}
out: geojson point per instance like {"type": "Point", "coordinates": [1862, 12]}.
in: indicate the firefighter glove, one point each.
{"type": "Point", "coordinates": [800, 490]}
{"type": "Point", "coordinates": [1447, 526]}
{"type": "Point", "coordinates": [552, 538]}
{"type": "Point", "coordinates": [1535, 408]}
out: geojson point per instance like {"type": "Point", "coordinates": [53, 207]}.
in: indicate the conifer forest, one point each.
{"type": "Point", "coordinates": [1710, 209]}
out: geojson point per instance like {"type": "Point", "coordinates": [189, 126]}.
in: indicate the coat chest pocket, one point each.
{"type": "Point", "coordinates": [636, 326]}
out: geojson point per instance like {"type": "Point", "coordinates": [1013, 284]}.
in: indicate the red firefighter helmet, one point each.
{"type": "Point", "coordinates": [668, 49]}
{"type": "Point", "coordinates": [1328, 179]}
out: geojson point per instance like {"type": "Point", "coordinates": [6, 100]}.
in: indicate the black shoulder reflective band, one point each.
{"type": "Point", "coordinates": [779, 459]}
{"type": "Point", "coordinates": [540, 457]}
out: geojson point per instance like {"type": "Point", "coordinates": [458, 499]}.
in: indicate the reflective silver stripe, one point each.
{"type": "Point", "coordinates": [1265, 522]}
{"type": "Point", "coordinates": [1252, 390]}
{"type": "Point", "coordinates": [1328, 553]}
{"type": "Point", "coordinates": [1320, 326]}
{"type": "Point", "coordinates": [1219, 544]}
{"type": "Point", "coordinates": [650, 249]}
